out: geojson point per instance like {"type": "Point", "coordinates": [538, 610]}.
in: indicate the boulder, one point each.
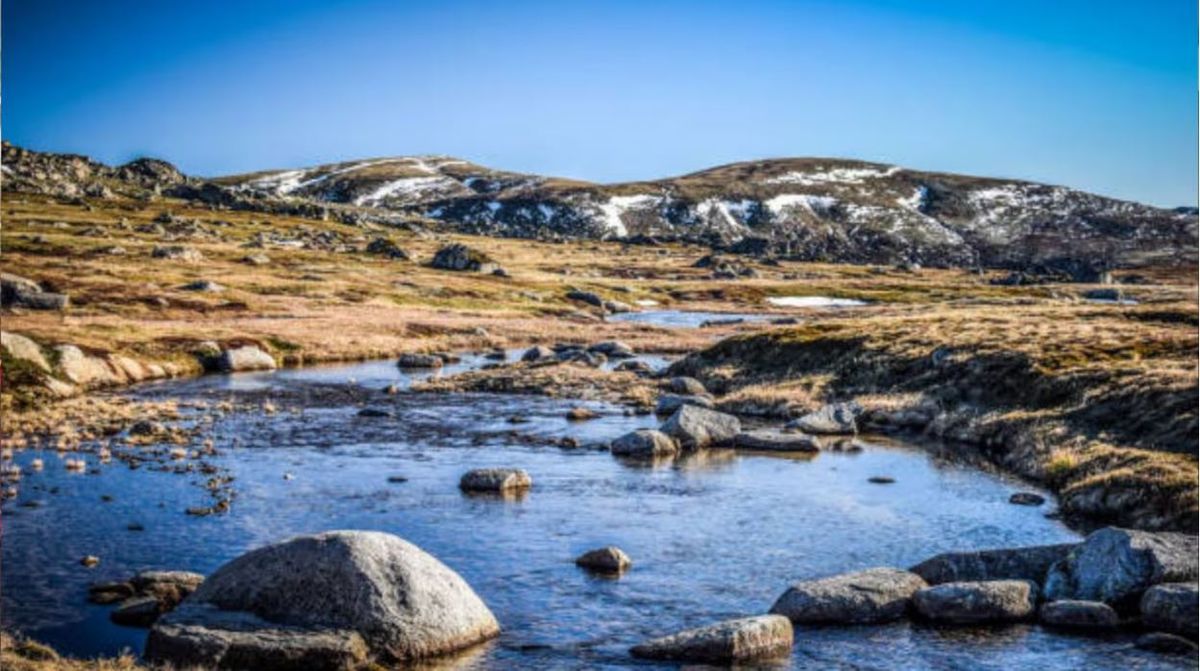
{"type": "Point", "coordinates": [326, 601]}
{"type": "Point", "coordinates": [20, 348]}
{"type": "Point", "coordinates": [689, 386]}
{"type": "Point", "coordinates": [207, 286]}
{"type": "Point", "coordinates": [461, 257]}
{"type": "Point", "coordinates": [609, 559]}
{"type": "Point", "coordinates": [1073, 614]}
{"type": "Point", "coordinates": [669, 403]}
{"type": "Point", "coordinates": [1166, 643]}
{"type": "Point", "coordinates": [177, 253]}
{"type": "Point", "coordinates": [873, 595]}
{"type": "Point", "coordinates": [835, 418]}
{"type": "Point", "coordinates": [537, 353]}
{"type": "Point", "coordinates": [21, 292]}
{"type": "Point", "coordinates": [386, 248]}
{"type": "Point", "coordinates": [774, 440]}
{"type": "Point", "coordinates": [1023, 563]}
{"type": "Point", "coordinates": [83, 369]}
{"type": "Point", "coordinates": [696, 427]}
{"type": "Point", "coordinates": [977, 602]}
{"type": "Point", "coordinates": [725, 642]}
{"type": "Point", "coordinates": [613, 349]}
{"type": "Point", "coordinates": [495, 480]}
{"type": "Point", "coordinates": [617, 307]}
{"type": "Point", "coordinates": [580, 414]}
{"type": "Point", "coordinates": [644, 444]}
{"type": "Point", "coordinates": [1117, 566]}
{"type": "Point", "coordinates": [1171, 607]}
{"type": "Point", "coordinates": [419, 361]}
{"type": "Point", "coordinates": [245, 358]}
{"type": "Point", "coordinates": [634, 366]}
{"type": "Point", "coordinates": [585, 297]}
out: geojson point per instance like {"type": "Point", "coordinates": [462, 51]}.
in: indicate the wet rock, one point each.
{"type": "Point", "coordinates": [696, 427]}
{"type": "Point", "coordinates": [20, 348]}
{"type": "Point", "coordinates": [419, 361]}
{"type": "Point", "coordinates": [644, 444]}
{"type": "Point", "coordinates": [146, 427]}
{"type": "Point", "coordinates": [775, 440]}
{"type": "Point", "coordinates": [739, 640]}
{"type": "Point", "coordinates": [21, 292]}
{"type": "Point", "coordinates": [326, 601]}
{"type": "Point", "coordinates": [1027, 499]}
{"type": "Point", "coordinates": [245, 358]}
{"type": "Point", "coordinates": [585, 297]}
{"type": "Point", "coordinates": [669, 403]}
{"type": "Point", "coordinates": [977, 602]}
{"type": "Point", "coordinates": [688, 386]}
{"type": "Point", "coordinates": [1117, 565]}
{"type": "Point", "coordinates": [177, 253]}
{"type": "Point", "coordinates": [1166, 643]}
{"type": "Point", "coordinates": [613, 349]}
{"type": "Point", "coordinates": [138, 611]}
{"type": "Point", "coordinates": [835, 418]}
{"type": "Point", "coordinates": [537, 353]}
{"type": "Point", "coordinates": [1079, 615]}
{"type": "Point", "coordinates": [495, 480]}
{"type": "Point", "coordinates": [1172, 607]}
{"type": "Point", "coordinates": [109, 592]}
{"type": "Point", "coordinates": [496, 355]}
{"type": "Point", "coordinates": [462, 258]}
{"type": "Point", "coordinates": [873, 595]}
{"type": "Point", "coordinates": [1023, 563]}
{"type": "Point", "coordinates": [609, 559]}
{"type": "Point", "coordinates": [89, 561]}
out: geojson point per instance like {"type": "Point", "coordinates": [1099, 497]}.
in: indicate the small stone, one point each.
{"type": "Point", "coordinates": [581, 414]}
{"type": "Point", "coordinates": [881, 480]}
{"type": "Point", "coordinates": [397, 479]}
{"type": "Point", "coordinates": [495, 480]}
{"type": "Point", "coordinates": [374, 412]}
{"type": "Point", "coordinates": [1027, 499]}
{"type": "Point", "coordinates": [89, 561]}
{"type": "Point", "coordinates": [874, 595]}
{"type": "Point", "coordinates": [609, 559]}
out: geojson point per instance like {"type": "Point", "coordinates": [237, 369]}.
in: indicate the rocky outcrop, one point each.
{"type": "Point", "coordinates": [142, 599]}
{"type": "Point", "coordinates": [609, 559]}
{"type": "Point", "coordinates": [326, 601]}
{"type": "Point", "coordinates": [1071, 614]}
{"type": "Point", "coordinates": [1117, 566]}
{"type": "Point", "coordinates": [495, 480]}
{"type": "Point", "coordinates": [1172, 607]}
{"type": "Point", "coordinates": [245, 358]}
{"type": "Point", "coordinates": [1023, 563]}
{"type": "Point", "coordinates": [696, 427]}
{"type": "Point", "coordinates": [644, 444]}
{"type": "Point", "coordinates": [741, 640]}
{"type": "Point", "coordinates": [977, 602]}
{"type": "Point", "coordinates": [873, 595]}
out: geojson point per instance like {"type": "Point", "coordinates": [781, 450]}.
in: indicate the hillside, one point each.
{"type": "Point", "coordinates": [811, 209]}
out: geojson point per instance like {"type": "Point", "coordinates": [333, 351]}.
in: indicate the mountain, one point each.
{"type": "Point", "coordinates": [807, 208]}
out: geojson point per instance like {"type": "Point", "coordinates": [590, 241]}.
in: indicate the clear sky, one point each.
{"type": "Point", "coordinates": [1095, 94]}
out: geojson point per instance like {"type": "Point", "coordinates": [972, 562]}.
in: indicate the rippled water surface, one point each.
{"type": "Point", "coordinates": [714, 536]}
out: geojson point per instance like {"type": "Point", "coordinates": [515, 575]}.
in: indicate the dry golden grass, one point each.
{"type": "Point", "coordinates": [25, 655]}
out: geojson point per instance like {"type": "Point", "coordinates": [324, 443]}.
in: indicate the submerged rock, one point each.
{"type": "Point", "coordinates": [775, 440]}
{"type": "Point", "coordinates": [1027, 499]}
{"type": "Point", "coordinates": [644, 444]}
{"type": "Point", "coordinates": [977, 602]}
{"type": "Point", "coordinates": [495, 480]}
{"type": "Point", "coordinates": [1172, 607]}
{"type": "Point", "coordinates": [874, 595]}
{"type": "Point", "coordinates": [738, 640]}
{"type": "Point", "coordinates": [1079, 615]}
{"type": "Point", "coordinates": [696, 427]}
{"type": "Point", "coordinates": [609, 559]}
{"type": "Point", "coordinates": [326, 601]}
{"type": "Point", "coordinates": [1117, 565]}
{"type": "Point", "coordinates": [1166, 643]}
{"type": "Point", "coordinates": [1024, 563]}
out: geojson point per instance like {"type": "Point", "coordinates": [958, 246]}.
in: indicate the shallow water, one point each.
{"type": "Point", "coordinates": [685, 318]}
{"type": "Point", "coordinates": [715, 536]}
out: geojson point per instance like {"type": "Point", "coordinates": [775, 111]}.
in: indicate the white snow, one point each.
{"type": "Point", "coordinates": [612, 210]}
{"type": "Point", "coordinates": [832, 176]}
{"type": "Point", "coordinates": [818, 205]}
{"type": "Point", "coordinates": [734, 213]}
{"type": "Point", "coordinates": [546, 210]}
{"type": "Point", "coordinates": [917, 200]}
{"type": "Point", "coordinates": [813, 302]}
{"type": "Point", "coordinates": [406, 186]}
{"type": "Point", "coordinates": [646, 303]}
{"type": "Point", "coordinates": [494, 206]}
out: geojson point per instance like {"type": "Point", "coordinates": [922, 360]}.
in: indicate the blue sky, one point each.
{"type": "Point", "coordinates": [1099, 95]}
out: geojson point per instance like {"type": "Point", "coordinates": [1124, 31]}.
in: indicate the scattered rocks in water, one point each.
{"type": "Point", "coordinates": [462, 258]}
{"type": "Point", "coordinates": [669, 403]}
{"type": "Point", "coordinates": [835, 418]}
{"type": "Point", "coordinates": [1166, 643]}
{"type": "Point", "coordinates": [325, 601]}
{"type": "Point", "coordinates": [739, 640]}
{"type": "Point", "coordinates": [1117, 566]}
{"type": "Point", "coordinates": [495, 480]}
{"type": "Point", "coordinates": [538, 353]}
{"type": "Point", "coordinates": [1027, 499]}
{"type": "Point", "coordinates": [881, 480]}
{"type": "Point", "coordinates": [1072, 614]}
{"type": "Point", "coordinates": [609, 559]}
{"type": "Point", "coordinates": [581, 414]}
{"type": "Point", "coordinates": [774, 440]}
{"type": "Point", "coordinates": [977, 602]}
{"type": "Point", "coordinates": [613, 349]}
{"type": "Point", "coordinates": [374, 412]}
{"type": "Point", "coordinates": [644, 444]}
{"type": "Point", "coordinates": [695, 427]}
{"type": "Point", "coordinates": [1023, 563]}
{"type": "Point", "coordinates": [688, 386]}
{"type": "Point", "coordinates": [1172, 607]}
{"type": "Point", "coordinates": [873, 595]}
{"type": "Point", "coordinates": [419, 361]}
{"type": "Point", "coordinates": [245, 358]}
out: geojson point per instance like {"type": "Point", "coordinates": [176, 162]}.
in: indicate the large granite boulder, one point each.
{"type": "Point", "coordinates": [873, 595]}
{"type": "Point", "coordinates": [1171, 607]}
{"type": "Point", "coordinates": [1024, 563]}
{"type": "Point", "coordinates": [644, 444]}
{"type": "Point", "coordinates": [20, 348]}
{"type": "Point", "coordinates": [245, 358]}
{"type": "Point", "coordinates": [82, 368]}
{"type": "Point", "coordinates": [696, 427]}
{"type": "Point", "coordinates": [326, 601]}
{"type": "Point", "coordinates": [1117, 566]}
{"type": "Point", "coordinates": [740, 640]}
{"type": "Point", "coordinates": [977, 602]}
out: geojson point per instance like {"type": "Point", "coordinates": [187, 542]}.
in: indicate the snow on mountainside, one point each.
{"type": "Point", "coordinates": [813, 208]}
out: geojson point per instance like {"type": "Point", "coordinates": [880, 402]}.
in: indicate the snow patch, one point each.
{"type": "Point", "coordinates": [406, 186]}
{"type": "Point", "coordinates": [818, 205]}
{"type": "Point", "coordinates": [616, 206]}
{"type": "Point", "coordinates": [813, 302]}
{"type": "Point", "coordinates": [832, 176]}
